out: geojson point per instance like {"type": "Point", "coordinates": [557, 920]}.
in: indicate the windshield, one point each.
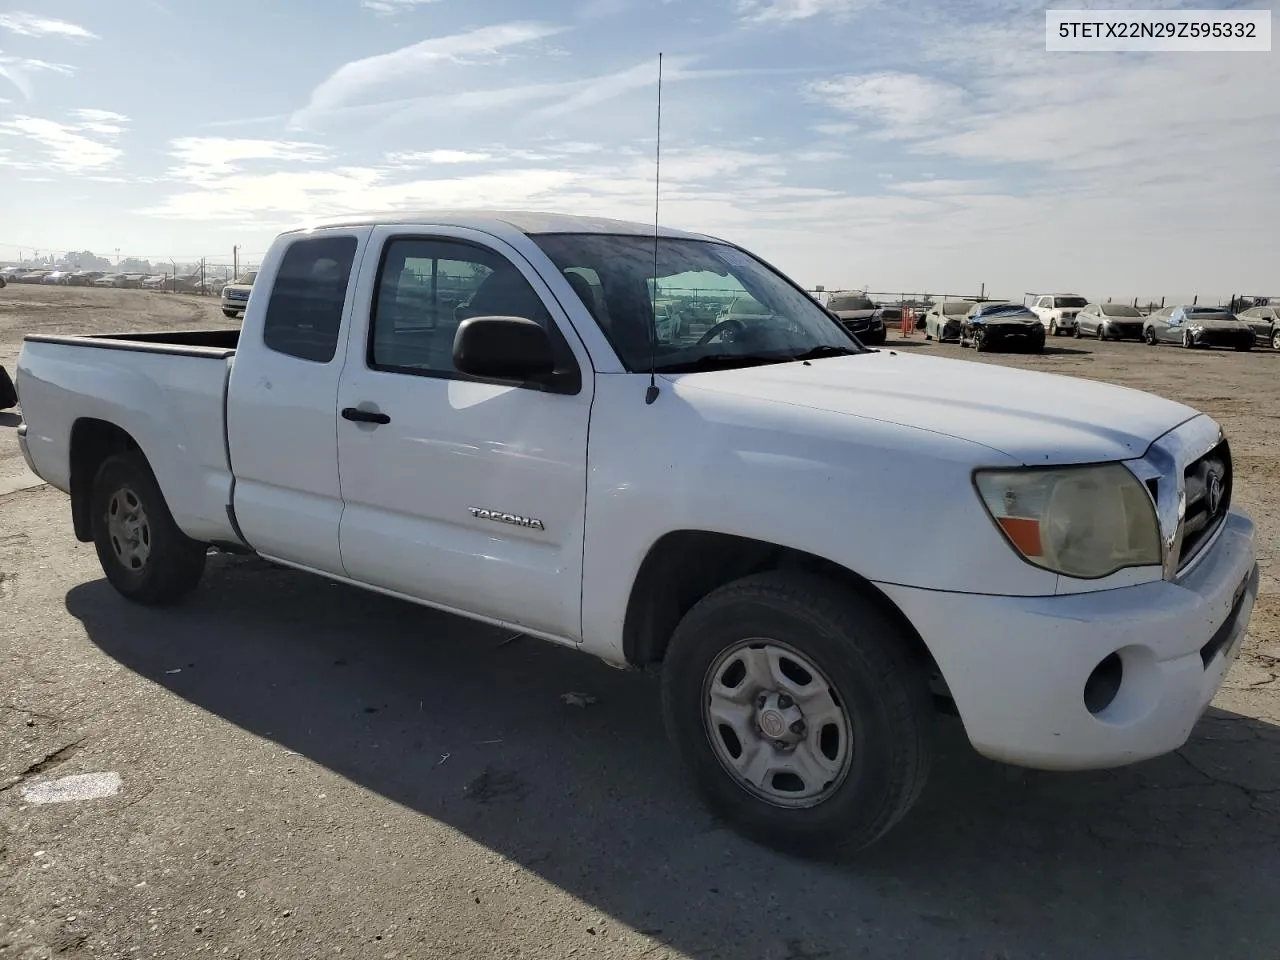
{"type": "Point", "coordinates": [958, 308]}
{"type": "Point", "coordinates": [1005, 310]}
{"type": "Point", "coordinates": [1207, 313]}
{"type": "Point", "coordinates": [248, 278]}
{"type": "Point", "coordinates": [850, 303]}
{"type": "Point", "coordinates": [756, 315]}
{"type": "Point", "coordinates": [1069, 301]}
{"type": "Point", "coordinates": [1120, 310]}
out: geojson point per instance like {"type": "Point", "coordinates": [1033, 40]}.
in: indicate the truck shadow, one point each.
{"type": "Point", "coordinates": [1171, 858]}
{"type": "Point", "coordinates": [9, 419]}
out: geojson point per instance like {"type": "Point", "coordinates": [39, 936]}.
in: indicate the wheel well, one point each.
{"type": "Point", "coordinates": [684, 566]}
{"type": "Point", "coordinates": [92, 441]}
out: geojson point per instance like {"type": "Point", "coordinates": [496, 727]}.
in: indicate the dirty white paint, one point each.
{"type": "Point", "coordinates": [80, 786]}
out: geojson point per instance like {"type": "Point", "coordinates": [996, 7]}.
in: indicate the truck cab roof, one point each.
{"type": "Point", "coordinates": [531, 222]}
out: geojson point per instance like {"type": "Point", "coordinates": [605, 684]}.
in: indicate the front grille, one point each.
{"type": "Point", "coordinates": [1208, 491]}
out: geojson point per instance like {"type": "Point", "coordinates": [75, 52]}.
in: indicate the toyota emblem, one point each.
{"type": "Point", "coordinates": [1215, 491]}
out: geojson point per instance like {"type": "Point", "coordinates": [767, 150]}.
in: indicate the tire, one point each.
{"type": "Point", "coordinates": [1053, 328]}
{"type": "Point", "coordinates": [882, 699]}
{"type": "Point", "coordinates": [164, 564]}
{"type": "Point", "coordinates": [980, 342]}
{"type": "Point", "coordinates": [1076, 333]}
{"type": "Point", "coordinates": [1149, 335]}
{"type": "Point", "coordinates": [229, 314]}
{"type": "Point", "coordinates": [1187, 343]}
{"type": "Point", "coordinates": [1100, 333]}
{"type": "Point", "coordinates": [1275, 339]}
{"type": "Point", "coordinates": [8, 392]}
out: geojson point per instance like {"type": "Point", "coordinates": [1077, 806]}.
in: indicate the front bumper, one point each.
{"type": "Point", "coordinates": [1017, 667]}
{"type": "Point", "coordinates": [1121, 330]}
{"type": "Point", "coordinates": [999, 334]}
{"type": "Point", "coordinates": [1221, 338]}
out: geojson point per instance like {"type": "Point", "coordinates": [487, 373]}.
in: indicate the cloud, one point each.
{"type": "Point", "coordinates": [206, 160]}
{"type": "Point", "coordinates": [16, 70]}
{"type": "Point", "coordinates": [103, 122]}
{"type": "Point", "coordinates": [361, 81]}
{"type": "Point", "coordinates": [413, 158]}
{"type": "Point", "coordinates": [786, 11]}
{"type": "Point", "coordinates": [944, 187]}
{"type": "Point", "coordinates": [31, 25]}
{"type": "Point", "coordinates": [393, 6]}
{"type": "Point", "coordinates": [903, 103]}
{"type": "Point", "coordinates": [69, 147]}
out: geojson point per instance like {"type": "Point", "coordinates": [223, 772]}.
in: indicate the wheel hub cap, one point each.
{"type": "Point", "coordinates": [128, 529]}
{"type": "Point", "coordinates": [776, 724]}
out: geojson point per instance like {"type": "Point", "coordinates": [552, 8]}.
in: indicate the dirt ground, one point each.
{"type": "Point", "coordinates": [313, 771]}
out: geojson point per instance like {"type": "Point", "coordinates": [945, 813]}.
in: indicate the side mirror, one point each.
{"type": "Point", "coordinates": [503, 348]}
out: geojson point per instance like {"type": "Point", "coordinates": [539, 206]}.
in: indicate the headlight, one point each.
{"type": "Point", "coordinates": [1084, 522]}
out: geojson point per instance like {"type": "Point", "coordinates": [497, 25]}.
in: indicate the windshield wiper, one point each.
{"type": "Point", "coordinates": [724, 361]}
{"type": "Point", "coordinates": [826, 350]}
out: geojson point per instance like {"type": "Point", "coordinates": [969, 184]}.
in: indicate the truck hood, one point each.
{"type": "Point", "coordinates": [1035, 418]}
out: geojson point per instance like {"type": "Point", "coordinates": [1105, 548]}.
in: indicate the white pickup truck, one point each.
{"type": "Point", "coordinates": [474, 412]}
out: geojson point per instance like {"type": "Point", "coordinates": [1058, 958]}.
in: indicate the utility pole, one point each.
{"type": "Point", "coordinates": [235, 261]}
{"type": "Point", "coordinates": [202, 289]}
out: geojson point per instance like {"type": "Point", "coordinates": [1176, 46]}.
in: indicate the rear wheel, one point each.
{"type": "Point", "coordinates": [1275, 339]}
{"type": "Point", "coordinates": [800, 712]}
{"type": "Point", "coordinates": [1187, 342]}
{"type": "Point", "coordinates": [142, 551]}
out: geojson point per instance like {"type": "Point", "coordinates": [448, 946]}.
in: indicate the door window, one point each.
{"type": "Point", "coordinates": [427, 287]}
{"type": "Point", "coordinates": [304, 313]}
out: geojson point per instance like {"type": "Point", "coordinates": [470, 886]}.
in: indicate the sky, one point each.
{"type": "Point", "coordinates": [895, 145]}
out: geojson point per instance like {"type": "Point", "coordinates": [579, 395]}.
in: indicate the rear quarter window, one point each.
{"type": "Point", "coordinates": [304, 314]}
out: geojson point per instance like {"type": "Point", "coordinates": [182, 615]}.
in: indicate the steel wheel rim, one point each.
{"type": "Point", "coordinates": [776, 724]}
{"type": "Point", "coordinates": [128, 530]}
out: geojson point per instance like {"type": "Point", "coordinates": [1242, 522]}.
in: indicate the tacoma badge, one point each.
{"type": "Point", "coordinates": [499, 517]}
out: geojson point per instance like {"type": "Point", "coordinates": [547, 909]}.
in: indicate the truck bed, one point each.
{"type": "Point", "coordinates": [166, 391]}
{"type": "Point", "coordinates": [202, 343]}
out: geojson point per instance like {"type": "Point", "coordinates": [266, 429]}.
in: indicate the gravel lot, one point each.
{"type": "Point", "coordinates": [313, 771]}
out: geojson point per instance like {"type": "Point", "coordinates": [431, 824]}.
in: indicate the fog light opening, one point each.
{"type": "Point", "coordinates": [1103, 684]}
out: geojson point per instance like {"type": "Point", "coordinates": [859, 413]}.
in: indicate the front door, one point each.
{"type": "Point", "coordinates": [461, 492]}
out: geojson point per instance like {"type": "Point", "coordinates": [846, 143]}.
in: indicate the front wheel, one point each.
{"type": "Point", "coordinates": [799, 710]}
{"type": "Point", "coordinates": [1187, 342]}
{"type": "Point", "coordinates": [1275, 340]}
{"type": "Point", "coordinates": [1149, 335]}
{"type": "Point", "coordinates": [144, 554]}
{"type": "Point", "coordinates": [980, 341]}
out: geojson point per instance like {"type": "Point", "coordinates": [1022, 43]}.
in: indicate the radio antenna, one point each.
{"type": "Point", "coordinates": [651, 394]}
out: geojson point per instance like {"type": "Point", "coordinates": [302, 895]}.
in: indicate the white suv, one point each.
{"type": "Point", "coordinates": [1058, 311]}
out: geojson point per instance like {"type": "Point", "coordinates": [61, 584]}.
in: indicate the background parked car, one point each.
{"type": "Point", "coordinates": [942, 321]}
{"type": "Point", "coordinates": [857, 313]}
{"type": "Point", "coordinates": [1058, 312]}
{"type": "Point", "coordinates": [1194, 326]}
{"type": "Point", "coordinates": [1110, 321]}
{"type": "Point", "coordinates": [55, 277]}
{"type": "Point", "coordinates": [235, 296]}
{"type": "Point", "coordinates": [1265, 322]}
{"type": "Point", "coordinates": [1001, 323]}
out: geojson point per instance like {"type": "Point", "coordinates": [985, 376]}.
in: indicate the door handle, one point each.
{"type": "Point", "coordinates": [357, 415]}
